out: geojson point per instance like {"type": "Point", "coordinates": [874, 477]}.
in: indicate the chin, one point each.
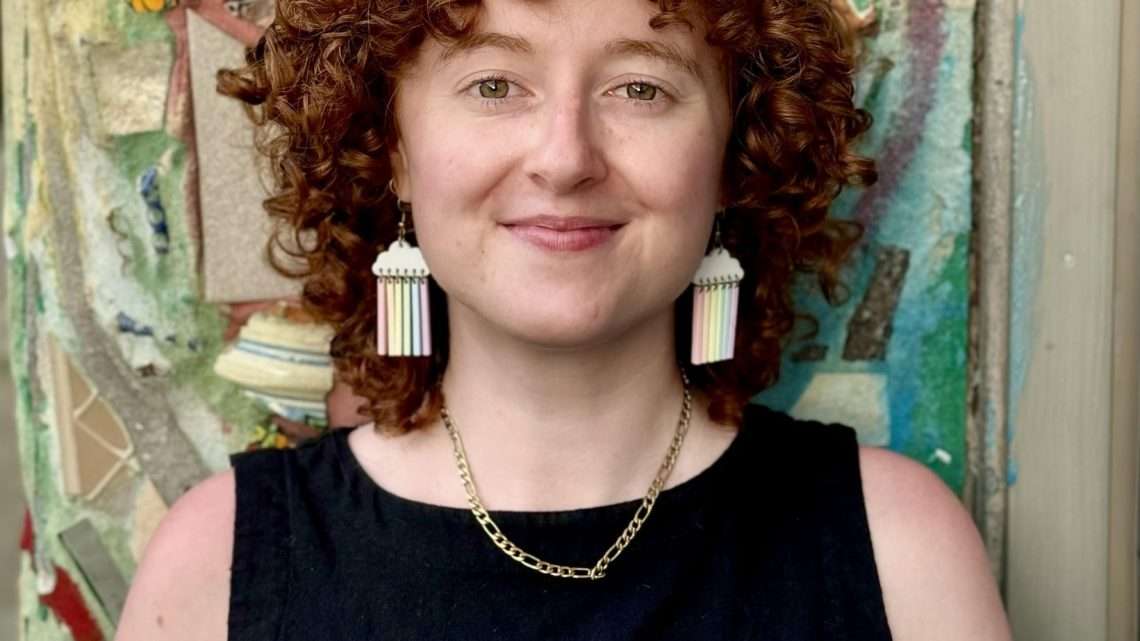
{"type": "Point", "coordinates": [566, 318]}
{"type": "Point", "coordinates": [559, 331]}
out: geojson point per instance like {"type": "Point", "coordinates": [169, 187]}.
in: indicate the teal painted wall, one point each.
{"type": "Point", "coordinates": [909, 393]}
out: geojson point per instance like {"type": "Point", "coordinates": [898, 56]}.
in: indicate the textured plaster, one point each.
{"type": "Point", "coordinates": [130, 86]}
{"type": "Point", "coordinates": [90, 165]}
{"type": "Point", "coordinates": [858, 400]}
{"type": "Point", "coordinates": [232, 186]}
{"type": "Point", "coordinates": [916, 80]}
{"type": "Point", "coordinates": [990, 338]}
{"type": "Point", "coordinates": [869, 330]}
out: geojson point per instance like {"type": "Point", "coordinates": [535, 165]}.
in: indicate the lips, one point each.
{"type": "Point", "coordinates": [564, 233]}
{"type": "Point", "coordinates": [563, 223]}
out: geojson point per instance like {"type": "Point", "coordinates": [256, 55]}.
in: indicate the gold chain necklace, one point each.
{"type": "Point", "coordinates": [568, 571]}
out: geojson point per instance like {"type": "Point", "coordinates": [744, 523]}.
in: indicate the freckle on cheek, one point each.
{"type": "Point", "coordinates": [159, 620]}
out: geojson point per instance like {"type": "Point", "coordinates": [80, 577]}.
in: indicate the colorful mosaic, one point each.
{"type": "Point", "coordinates": [891, 360]}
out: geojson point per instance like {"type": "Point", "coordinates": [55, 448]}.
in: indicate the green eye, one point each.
{"type": "Point", "coordinates": [640, 91]}
{"type": "Point", "coordinates": [493, 88]}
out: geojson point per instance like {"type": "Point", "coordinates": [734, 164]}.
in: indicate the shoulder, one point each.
{"type": "Point", "coordinates": [181, 589]}
{"type": "Point", "coordinates": [933, 569]}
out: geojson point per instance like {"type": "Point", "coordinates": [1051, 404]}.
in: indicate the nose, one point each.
{"type": "Point", "coordinates": [566, 156]}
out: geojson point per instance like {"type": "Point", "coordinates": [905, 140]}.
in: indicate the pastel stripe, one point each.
{"type": "Point", "coordinates": [722, 310]}
{"type": "Point", "coordinates": [714, 334]}
{"type": "Point", "coordinates": [722, 342]}
{"type": "Point", "coordinates": [710, 326]}
{"type": "Point", "coordinates": [725, 335]}
{"type": "Point", "coordinates": [397, 318]}
{"type": "Point", "coordinates": [408, 318]}
{"type": "Point", "coordinates": [425, 317]}
{"type": "Point", "coordinates": [721, 316]}
{"type": "Point", "coordinates": [417, 347]}
{"type": "Point", "coordinates": [401, 325]}
{"type": "Point", "coordinates": [706, 325]}
{"type": "Point", "coordinates": [402, 310]}
{"type": "Point", "coordinates": [393, 304]}
{"type": "Point", "coordinates": [695, 350]}
{"type": "Point", "coordinates": [706, 331]}
{"type": "Point", "coordinates": [406, 325]}
{"type": "Point", "coordinates": [722, 321]}
{"type": "Point", "coordinates": [707, 300]}
{"type": "Point", "coordinates": [693, 354]}
{"type": "Point", "coordinates": [714, 324]}
{"type": "Point", "coordinates": [397, 314]}
{"type": "Point", "coordinates": [732, 310]}
{"type": "Point", "coordinates": [381, 318]}
{"type": "Point", "coordinates": [702, 324]}
{"type": "Point", "coordinates": [408, 315]}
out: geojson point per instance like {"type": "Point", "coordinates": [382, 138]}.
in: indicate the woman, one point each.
{"type": "Point", "coordinates": [561, 168]}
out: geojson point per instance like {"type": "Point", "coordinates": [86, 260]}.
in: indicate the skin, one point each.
{"type": "Point", "coordinates": [585, 392]}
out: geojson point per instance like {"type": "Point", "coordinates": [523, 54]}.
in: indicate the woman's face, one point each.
{"type": "Point", "coordinates": [563, 114]}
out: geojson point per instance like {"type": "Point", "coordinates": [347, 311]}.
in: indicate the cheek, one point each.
{"type": "Point", "coordinates": [679, 174]}
{"type": "Point", "coordinates": [700, 158]}
{"type": "Point", "coordinates": [448, 187]}
{"type": "Point", "coordinates": [680, 181]}
{"type": "Point", "coordinates": [449, 156]}
{"type": "Point", "coordinates": [451, 175]}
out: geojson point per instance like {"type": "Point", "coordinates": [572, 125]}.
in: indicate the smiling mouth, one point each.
{"type": "Point", "coordinates": [564, 240]}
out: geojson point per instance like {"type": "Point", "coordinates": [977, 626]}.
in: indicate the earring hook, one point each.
{"type": "Point", "coordinates": [403, 207]}
{"type": "Point", "coordinates": [716, 228]}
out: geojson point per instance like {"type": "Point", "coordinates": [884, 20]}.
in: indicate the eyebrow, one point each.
{"type": "Point", "coordinates": [486, 39]}
{"type": "Point", "coordinates": [665, 52]}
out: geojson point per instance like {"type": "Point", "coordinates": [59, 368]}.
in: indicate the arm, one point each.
{"type": "Point", "coordinates": [181, 589]}
{"type": "Point", "coordinates": [936, 579]}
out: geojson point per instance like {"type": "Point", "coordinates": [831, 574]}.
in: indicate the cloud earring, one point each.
{"type": "Point", "coordinates": [716, 297]}
{"type": "Point", "coordinates": [403, 315]}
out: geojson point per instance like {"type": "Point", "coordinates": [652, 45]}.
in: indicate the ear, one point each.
{"type": "Point", "coordinates": [397, 159]}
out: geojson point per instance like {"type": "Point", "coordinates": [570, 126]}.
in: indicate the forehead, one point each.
{"type": "Point", "coordinates": [568, 15]}
{"type": "Point", "coordinates": [543, 27]}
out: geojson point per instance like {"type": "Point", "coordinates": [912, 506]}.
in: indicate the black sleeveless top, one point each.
{"type": "Point", "coordinates": [770, 542]}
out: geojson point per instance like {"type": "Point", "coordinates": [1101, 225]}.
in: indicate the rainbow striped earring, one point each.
{"type": "Point", "coordinates": [716, 297]}
{"type": "Point", "coordinates": [403, 316]}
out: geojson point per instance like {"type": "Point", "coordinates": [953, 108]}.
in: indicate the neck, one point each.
{"type": "Point", "coordinates": [556, 429]}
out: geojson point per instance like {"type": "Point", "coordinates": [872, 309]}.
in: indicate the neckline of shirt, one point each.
{"type": "Point", "coordinates": [693, 492]}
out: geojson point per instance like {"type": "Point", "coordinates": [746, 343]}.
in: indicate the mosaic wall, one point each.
{"type": "Point", "coordinates": [140, 361]}
{"type": "Point", "coordinates": [891, 361]}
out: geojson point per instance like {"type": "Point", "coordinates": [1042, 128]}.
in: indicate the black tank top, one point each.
{"type": "Point", "coordinates": [770, 542]}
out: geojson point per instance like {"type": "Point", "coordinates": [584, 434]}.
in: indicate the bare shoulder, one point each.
{"type": "Point", "coordinates": [935, 575]}
{"type": "Point", "coordinates": [181, 589]}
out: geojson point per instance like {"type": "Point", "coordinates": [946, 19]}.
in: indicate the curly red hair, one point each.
{"type": "Point", "coordinates": [323, 76]}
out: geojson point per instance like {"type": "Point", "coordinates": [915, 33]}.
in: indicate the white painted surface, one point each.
{"type": "Point", "coordinates": [1124, 498]}
{"type": "Point", "coordinates": [1058, 529]}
